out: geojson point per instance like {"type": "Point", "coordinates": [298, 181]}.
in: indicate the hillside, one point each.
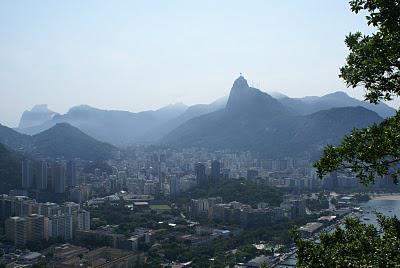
{"type": "Point", "coordinates": [69, 142]}
{"type": "Point", "coordinates": [312, 104]}
{"type": "Point", "coordinates": [62, 140]}
{"type": "Point", "coordinates": [253, 120]}
{"type": "Point", "coordinates": [10, 169]}
{"type": "Point", "coordinates": [112, 126]}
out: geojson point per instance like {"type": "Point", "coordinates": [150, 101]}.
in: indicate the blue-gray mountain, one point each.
{"type": "Point", "coordinates": [255, 121]}
{"type": "Point", "coordinates": [312, 104]}
{"type": "Point", "coordinates": [38, 115]}
{"type": "Point", "coordinates": [60, 141]}
{"type": "Point", "coordinates": [126, 128]}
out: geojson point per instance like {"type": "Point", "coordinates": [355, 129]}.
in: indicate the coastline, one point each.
{"type": "Point", "coordinates": [395, 196]}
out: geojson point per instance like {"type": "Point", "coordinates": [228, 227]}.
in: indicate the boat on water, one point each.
{"type": "Point", "coordinates": [366, 219]}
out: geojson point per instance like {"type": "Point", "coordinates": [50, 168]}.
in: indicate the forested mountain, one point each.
{"type": "Point", "coordinates": [62, 140]}
{"type": "Point", "coordinates": [253, 120]}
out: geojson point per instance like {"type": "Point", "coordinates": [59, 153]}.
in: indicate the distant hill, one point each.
{"type": "Point", "coordinates": [253, 120]}
{"type": "Point", "coordinates": [69, 142]}
{"type": "Point", "coordinates": [62, 140]}
{"type": "Point", "coordinates": [10, 169]}
{"type": "Point", "coordinates": [191, 112]}
{"type": "Point", "coordinates": [115, 127]}
{"type": "Point", "coordinates": [123, 128]}
{"type": "Point", "coordinates": [38, 115]}
{"type": "Point", "coordinates": [312, 104]}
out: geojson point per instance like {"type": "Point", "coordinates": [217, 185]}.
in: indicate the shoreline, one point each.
{"type": "Point", "coordinates": [394, 197]}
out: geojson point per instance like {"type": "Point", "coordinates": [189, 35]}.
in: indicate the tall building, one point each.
{"type": "Point", "coordinates": [59, 177]}
{"type": "Point", "coordinates": [200, 171]}
{"type": "Point", "coordinates": [215, 171]}
{"type": "Point", "coordinates": [174, 186]}
{"type": "Point", "coordinates": [27, 174]}
{"type": "Point", "coordinates": [37, 227]}
{"type": "Point", "coordinates": [41, 180]}
{"type": "Point", "coordinates": [83, 220]}
{"type": "Point", "coordinates": [71, 174]}
{"type": "Point", "coordinates": [16, 230]}
{"type": "Point", "coordinates": [61, 226]}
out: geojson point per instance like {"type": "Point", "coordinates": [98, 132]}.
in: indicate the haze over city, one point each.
{"type": "Point", "coordinates": [194, 134]}
{"type": "Point", "coordinates": [136, 56]}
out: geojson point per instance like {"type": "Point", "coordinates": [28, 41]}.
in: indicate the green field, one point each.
{"type": "Point", "coordinates": [160, 207]}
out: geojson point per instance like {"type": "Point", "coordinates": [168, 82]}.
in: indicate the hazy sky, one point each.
{"type": "Point", "coordinates": [137, 55]}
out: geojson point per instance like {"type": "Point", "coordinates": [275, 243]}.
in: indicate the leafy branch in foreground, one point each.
{"type": "Point", "coordinates": [374, 60]}
{"type": "Point", "coordinates": [368, 152]}
{"type": "Point", "coordinates": [356, 245]}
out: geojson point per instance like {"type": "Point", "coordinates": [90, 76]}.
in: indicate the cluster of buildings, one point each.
{"type": "Point", "coordinates": [27, 220]}
{"type": "Point", "coordinates": [243, 215]}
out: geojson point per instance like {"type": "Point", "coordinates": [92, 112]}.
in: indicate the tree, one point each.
{"type": "Point", "coordinates": [356, 245]}
{"type": "Point", "coordinates": [374, 63]}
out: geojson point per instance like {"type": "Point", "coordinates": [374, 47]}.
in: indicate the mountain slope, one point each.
{"type": "Point", "coordinates": [14, 139]}
{"type": "Point", "coordinates": [38, 115]}
{"type": "Point", "coordinates": [253, 120]}
{"type": "Point", "coordinates": [64, 140]}
{"type": "Point", "coordinates": [115, 127]}
{"type": "Point", "coordinates": [312, 104]}
{"type": "Point", "coordinates": [191, 112]}
{"type": "Point", "coordinates": [10, 169]}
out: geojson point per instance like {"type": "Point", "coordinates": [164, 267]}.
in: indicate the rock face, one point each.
{"type": "Point", "coordinates": [38, 115]}
{"type": "Point", "coordinates": [253, 120]}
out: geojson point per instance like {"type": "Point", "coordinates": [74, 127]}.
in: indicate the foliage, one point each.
{"type": "Point", "coordinates": [356, 245]}
{"type": "Point", "coordinates": [243, 191]}
{"type": "Point", "coordinates": [10, 170]}
{"type": "Point", "coordinates": [317, 204]}
{"type": "Point", "coordinates": [374, 60]}
{"type": "Point", "coordinates": [368, 152]}
{"type": "Point", "coordinates": [374, 63]}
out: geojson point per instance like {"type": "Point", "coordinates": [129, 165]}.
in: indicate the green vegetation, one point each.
{"type": "Point", "coordinates": [160, 207]}
{"type": "Point", "coordinates": [10, 170]}
{"type": "Point", "coordinates": [127, 219]}
{"type": "Point", "coordinates": [243, 191]}
{"type": "Point", "coordinates": [374, 63]}
{"type": "Point", "coordinates": [224, 251]}
{"type": "Point", "coordinates": [357, 245]}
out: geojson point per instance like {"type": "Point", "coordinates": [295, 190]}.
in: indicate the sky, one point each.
{"type": "Point", "coordinates": [142, 55]}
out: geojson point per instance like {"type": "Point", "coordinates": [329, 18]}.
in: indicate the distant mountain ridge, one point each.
{"type": "Point", "coordinates": [122, 128]}
{"type": "Point", "coordinates": [38, 115]}
{"type": "Point", "coordinates": [60, 141]}
{"type": "Point", "coordinates": [312, 104]}
{"type": "Point", "coordinates": [253, 120]}
{"type": "Point", "coordinates": [112, 126]}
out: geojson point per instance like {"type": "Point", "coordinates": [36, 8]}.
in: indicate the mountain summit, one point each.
{"type": "Point", "coordinates": [255, 121]}
{"type": "Point", "coordinates": [248, 101]}
{"type": "Point", "coordinates": [36, 116]}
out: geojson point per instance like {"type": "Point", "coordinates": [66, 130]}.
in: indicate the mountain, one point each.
{"type": "Point", "coordinates": [15, 140]}
{"type": "Point", "coordinates": [115, 127]}
{"type": "Point", "coordinates": [253, 120]}
{"type": "Point", "coordinates": [312, 104]}
{"type": "Point", "coordinates": [61, 140]}
{"type": "Point", "coordinates": [10, 169]}
{"type": "Point", "coordinates": [191, 112]}
{"type": "Point", "coordinates": [38, 115]}
{"type": "Point", "coordinates": [64, 140]}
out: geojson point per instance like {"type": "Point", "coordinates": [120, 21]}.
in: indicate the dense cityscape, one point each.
{"type": "Point", "coordinates": [130, 138]}
{"type": "Point", "coordinates": [157, 207]}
